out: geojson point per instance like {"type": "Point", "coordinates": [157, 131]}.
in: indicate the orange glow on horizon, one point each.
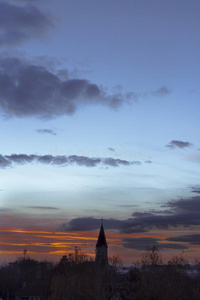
{"type": "Point", "coordinates": [58, 243]}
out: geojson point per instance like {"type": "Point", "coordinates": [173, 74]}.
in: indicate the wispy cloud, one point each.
{"type": "Point", "coordinates": [14, 240]}
{"type": "Point", "coordinates": [43, 207]}
{"type": "Point", "coordinates": [178, 144]}
{"type": "Point", "coordinates": [195, 189]}
{"type": "Point", "coordinates": [21, 159]}
{"type": "Point", "coordinates": [49, 131]}
{"type": "Point", "coordinates": [141, 214]}
{"type": "Point", "coordinates": [193, 239]}
{"type": "Point", "coordinates": [21, 22]}
{"type": "Point", "coordinates": [163, 91]}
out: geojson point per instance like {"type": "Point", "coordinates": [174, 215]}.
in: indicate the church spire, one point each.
{"type": "Point", "coordinates": [101, 248]}
{"type": "Point", "coordinates": [102, 238]}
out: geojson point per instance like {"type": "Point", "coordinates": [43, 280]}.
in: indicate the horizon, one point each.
{"type": "Point", "coordinates": [62, 243]}
{"type": "Point", "coordinates": [99, 113]}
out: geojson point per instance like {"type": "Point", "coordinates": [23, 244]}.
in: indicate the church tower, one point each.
{"type": "Point", "coordinates": [101, 249]}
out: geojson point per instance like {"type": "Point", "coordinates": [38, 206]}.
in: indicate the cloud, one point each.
{"type": "Point", "coordinates": [163, 91]}
{"type": "Point", "coordinates": [19, 158]}
{"type": "Point", "coordinates": [144, 242]}
{"type": "Point", "coordinates": [172, 246]}
{"type": "Point", "coordinates": [141, 214]}
{"type": "Point", "coordinates": [82, 224]}
{"type": "Point", "coordinates": [195, 189]}
{"type": "Point", "coordinates": [183, 212]}
{"type": "Point", "coordinates": [162, 212]}
{"type": "Point", "coordinates": [49, 131]}
{"type": "Point", "coordinates": [178, 144]}
{"type": "Point", "coordinates": [43, 207]}
{"type": "Point", "coordinates": [84, 161]}
{"type": "Point", "coordinates": [4, 162]}
{"type": "Point", "coordinates": [127, 205]}
{"type": "Point", "coordinates": [34, 90]}
{"type": "Point", "coordinates": [62, 160]}
{"type": "Point", "coordinates": [117, 162]}
{"type": "Point", "coordinates": [90, 223]}
{"type": "Point", "coordinates": [193, 239]}
{"type": "Point", "coordinates": [131, 225]}
{"type": "Point", "coordinates": [30, 90]}
{"type": "Point", "coordinates": [191, 204]}
{"type": "Point", "coordinates": [21, 22]}
{"type": "Point", "coordinates": [40, 237]}
{"type": "Point", "coordinates": [148, 162]}
{"type": "Point", "coordinates": [165, 221]}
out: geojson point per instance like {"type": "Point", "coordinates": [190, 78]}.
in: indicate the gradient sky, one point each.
{"type": "Point", "coordinates": [99, 118]}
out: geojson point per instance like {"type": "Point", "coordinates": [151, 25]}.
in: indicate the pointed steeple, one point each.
{"type": "Point", "coordinates": [101, 248]}
{"type": "Point", "coordinates": [102, 238]}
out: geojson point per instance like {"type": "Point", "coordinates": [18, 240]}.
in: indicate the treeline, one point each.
{"type": "Point", "coordinates": [77, 277]}
{"type": "Point", "coordinates": [152, 279]}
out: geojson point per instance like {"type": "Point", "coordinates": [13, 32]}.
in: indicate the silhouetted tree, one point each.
{"type": "Point", "coordinates": [73, 277]}
{"type": "Point", "coordinates": [150, 279]}
{"type": "Point", "coordinates": [8, 281]}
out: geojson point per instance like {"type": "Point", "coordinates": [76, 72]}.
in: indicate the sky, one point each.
{"type": "Point", "coordinates": [99, 118]}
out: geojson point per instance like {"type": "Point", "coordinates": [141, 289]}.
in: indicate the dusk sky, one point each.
{"type": "Point", "coordinates": [99, 118]}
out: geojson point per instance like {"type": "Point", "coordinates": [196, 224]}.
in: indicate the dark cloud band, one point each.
{"type": "Point", "coordinates": [183, 212]}
{"type": "Point", "coordinates": [193, 239]}
{"type": "Point", "coordinates": [20, 159]}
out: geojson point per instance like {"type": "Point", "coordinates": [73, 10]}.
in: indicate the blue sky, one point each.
{"type": "Point", "coordinates": [99, 117]}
